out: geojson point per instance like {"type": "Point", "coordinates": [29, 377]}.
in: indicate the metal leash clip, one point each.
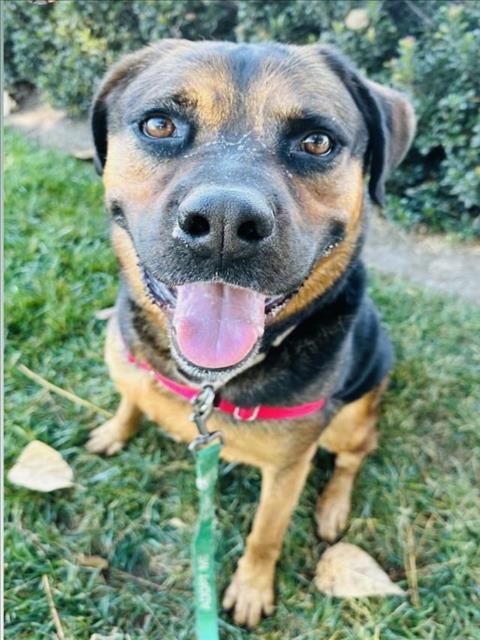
{"type": "Point", "coordinates": [202, 409]}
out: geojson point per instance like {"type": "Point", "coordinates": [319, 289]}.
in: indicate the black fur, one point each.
{"type": "Point", "coordinates": [98, 120]}
{"type": "Point", "coordinates": [375, 119]}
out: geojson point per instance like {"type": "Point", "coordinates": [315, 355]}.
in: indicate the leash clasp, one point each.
{"type": "Point", "coordinates": [202, 409]}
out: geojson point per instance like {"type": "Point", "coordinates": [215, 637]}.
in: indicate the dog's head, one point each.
{"type": "Point", "coordinates": [235, 177]}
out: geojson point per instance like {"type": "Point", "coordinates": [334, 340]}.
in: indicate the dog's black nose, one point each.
{"type": "Point", "coordinates": [227, 222]}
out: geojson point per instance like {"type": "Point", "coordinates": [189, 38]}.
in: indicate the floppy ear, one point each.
{"type": "Point", "coordinates": [116, 79]}
{"type": "Point", "coordinates": [389, 118]}
{"type": "Point", "coordinates": [113, 84]}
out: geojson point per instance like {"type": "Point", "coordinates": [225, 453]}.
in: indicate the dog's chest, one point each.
{"type": "Point", "coordinates": [258, 443]}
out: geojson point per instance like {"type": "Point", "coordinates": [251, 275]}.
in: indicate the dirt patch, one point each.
{"type": "Point", "coordinates": [427, 261]}
{"type": "Point", "coordinates": [51, 128]}
{"type": "Point", "coordinates": [430, 262]}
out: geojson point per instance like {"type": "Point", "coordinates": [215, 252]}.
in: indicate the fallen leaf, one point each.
{"type": "Point", "coordinates": [95, 562]}
{"type": "Point", "coordinates": [346, 571]}
{"type": "Point", "coordinates": [41, 468]}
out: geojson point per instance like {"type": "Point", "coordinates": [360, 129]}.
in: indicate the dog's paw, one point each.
{"type": "Point", "coordinates": [332, 513]}
{"type": "Point", "coordinates": [248, 601]}
{"type": "Point", "coordinates": [108, 438]}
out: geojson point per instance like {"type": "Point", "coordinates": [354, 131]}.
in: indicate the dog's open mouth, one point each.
{"type": "Point", "coordinates": [215, 325]}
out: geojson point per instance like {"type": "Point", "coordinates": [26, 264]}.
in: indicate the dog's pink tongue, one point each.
{"type": "Point", "coordinates": [217, 325]}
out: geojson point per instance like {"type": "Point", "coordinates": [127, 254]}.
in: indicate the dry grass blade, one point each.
{"type": "Point", "coordinates": [411, 565]}
{"type": "Point", "coordinates": [125, 576]}
{"type": "Point", "coordinates": [56, 618]}
{"type": "Point", "coordinates": [93, 562]}
{"type": "Point", "coordinates": [62, 392]}
{"type": "Point", "coordinates": [130, 577]}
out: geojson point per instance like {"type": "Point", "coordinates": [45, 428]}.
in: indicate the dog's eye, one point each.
{"type": "Point", "coordinates": [158, 127]}
{"type": "Point", "coordinates": [317, 144]}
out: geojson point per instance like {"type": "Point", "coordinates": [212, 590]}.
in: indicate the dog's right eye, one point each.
{"type": "Point", "coordinates": [158, 127]}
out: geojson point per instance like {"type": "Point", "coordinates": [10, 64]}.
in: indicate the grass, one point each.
{"type": "Point", "coordinates": [416, 499]}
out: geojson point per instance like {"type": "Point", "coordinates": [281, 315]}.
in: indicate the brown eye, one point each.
{"type": "Point", "coordinates": [318, 144]}
{"type": "Point", "coordinates": [158, 127]}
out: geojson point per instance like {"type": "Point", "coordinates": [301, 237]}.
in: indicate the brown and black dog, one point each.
{"type": "Point", "coordinates": [239, 179]}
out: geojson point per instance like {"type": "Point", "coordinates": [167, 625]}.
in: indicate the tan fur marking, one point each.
{"type": "Point", "coordinates": [211, 88]}
{"type": "Point", "coordinates": [127, 257]}
{"type": "Point", "coordinates": [127, 171]}
{"type": "Point", "coordinates": [330, 268]}
{"type": "Point", "coordinates": [270, 93]}
{"type": "Point", "coordinates": [352, 436]}
{"type": "Point", "coordinates": [280, 89]}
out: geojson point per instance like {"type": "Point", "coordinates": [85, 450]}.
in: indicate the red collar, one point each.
{"type": "Point", "coordinates": [246, 414]}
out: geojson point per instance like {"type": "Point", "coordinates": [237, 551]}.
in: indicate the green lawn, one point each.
{"type": "Point", "coordinates": [417, 497]}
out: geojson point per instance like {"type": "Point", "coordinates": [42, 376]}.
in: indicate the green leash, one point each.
{"type": "Point", "coordinates": [207, 456]}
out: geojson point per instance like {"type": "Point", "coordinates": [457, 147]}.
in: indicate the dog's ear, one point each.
{"type": "Point", "coordinates": [114, 83]}
{"type": "Point", "coordinates": [389, 117]}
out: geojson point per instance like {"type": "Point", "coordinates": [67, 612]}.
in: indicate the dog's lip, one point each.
{"type": "Point", "coordinates": [158, 292]}
{"type": "Point", "coordinates": [166, 297]}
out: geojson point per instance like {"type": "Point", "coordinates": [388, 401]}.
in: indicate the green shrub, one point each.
{"type": "Point", "coordinates": [441, 178]}
{"type": "Point", "coordinates": [64, 48]}
{"type": "Point", "coordinates": [299, 22]}
{"type": "Point", "coordinates": [428, 49]}
{"type": "Point", "coordinates": [27, 33]}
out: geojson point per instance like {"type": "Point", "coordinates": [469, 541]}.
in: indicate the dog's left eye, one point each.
{"type": "Point", "coordinates": [158, 127]}
{"type": "Point", "coordinates": [317, 144]}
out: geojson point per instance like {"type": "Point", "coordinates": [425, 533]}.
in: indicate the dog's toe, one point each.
{"type": "Point", "coordinates": [106, 439]}
{"type": "Point", "coordinates": [332, 516]}
{"type": "Point", "coordinates": [248, 602]}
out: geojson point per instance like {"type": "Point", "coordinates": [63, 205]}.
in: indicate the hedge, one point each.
{"type": "Point", "coordinates": [428, 49]}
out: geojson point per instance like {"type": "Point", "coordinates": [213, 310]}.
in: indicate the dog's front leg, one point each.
{"type": "Point", "coordinates": [250, 593]}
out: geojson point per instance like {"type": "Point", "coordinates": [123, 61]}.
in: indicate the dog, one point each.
{"type": "Point", "coordinates": [239, 179]}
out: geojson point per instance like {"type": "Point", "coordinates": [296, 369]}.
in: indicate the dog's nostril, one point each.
{"type": "Point", "coordinates": [253, 230]}
{"type": "Point", "coordinates": [248, 231]}
{"type": "Point", "coordinates": [196, 226]}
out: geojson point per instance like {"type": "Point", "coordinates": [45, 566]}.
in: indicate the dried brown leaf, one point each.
{"type": "Point", "coordinates": [41, 468]}
{"type": "Point", "coordinates": [346, 571]}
